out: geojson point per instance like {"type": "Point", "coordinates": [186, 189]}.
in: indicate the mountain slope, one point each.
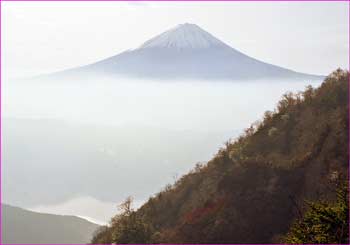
{"type": "Point", "coordinates": [21, 226]}
{"type": "Point", "coordinates": [186, 52]}
{"type": "Point", "coordinates": [254, 188]}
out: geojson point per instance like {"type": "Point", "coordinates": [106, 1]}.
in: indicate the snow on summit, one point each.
{"type": "Point", "coordinates": [184, 36]}
{"type": "Point", "coordinates": [185, 52]}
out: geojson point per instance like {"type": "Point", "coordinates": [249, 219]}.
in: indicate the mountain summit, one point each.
{"type": "Point", "coordinates": [184, 36]}
{"type": "Point", "coordinates": [186, 52]}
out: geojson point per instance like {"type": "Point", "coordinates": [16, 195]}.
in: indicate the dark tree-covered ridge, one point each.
{"type": "Point", "coordinates": [254, 189]}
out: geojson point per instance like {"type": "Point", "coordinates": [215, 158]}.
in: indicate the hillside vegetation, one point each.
{"type": "Point", "coordinates": [261, 187]}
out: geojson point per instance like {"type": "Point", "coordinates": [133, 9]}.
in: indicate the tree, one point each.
{"type": "Point", "coordinates": [324, 222]}
{"type": "Point", "coordinates": [102, 235]}
{"type": "Point", "coordinates": [288, 99]}
{"type": "Point", "coordinates": [308, 93]}
{"type": "Point", "coordinates": [128, 226]}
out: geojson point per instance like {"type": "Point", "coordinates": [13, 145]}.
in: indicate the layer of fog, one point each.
{"type": "Point", "coordinates": [103, 140]}
{"type": "Point", "coordinates": [191, 105]}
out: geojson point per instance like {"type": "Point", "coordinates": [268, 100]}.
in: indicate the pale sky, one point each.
{"type": "Point", "coordinates": [43, 37]}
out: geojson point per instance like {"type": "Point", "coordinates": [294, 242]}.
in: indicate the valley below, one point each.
{"type": "Point", "coordinates": [130, 138]}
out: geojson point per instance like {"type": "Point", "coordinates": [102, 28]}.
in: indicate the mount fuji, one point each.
{"type": "Point", "coordinates": [186, 52]}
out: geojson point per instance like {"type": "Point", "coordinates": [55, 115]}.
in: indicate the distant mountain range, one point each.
{"type": "Point", "coordinates": [21, 226]}
{"type": "Point", "coordinates": [185, 52]}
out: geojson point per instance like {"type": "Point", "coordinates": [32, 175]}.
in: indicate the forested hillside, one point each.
{"type": "Point", "coordinates": [259, 185]}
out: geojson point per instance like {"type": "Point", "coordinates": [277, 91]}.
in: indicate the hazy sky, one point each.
{"type": "Point", "coordinates": [42, 37]}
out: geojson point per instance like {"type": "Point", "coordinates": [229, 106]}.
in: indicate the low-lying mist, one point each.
{"type": "Point", "coordinates": [106, 139]}
{"type": "Point", "coordinates": [191, 105]}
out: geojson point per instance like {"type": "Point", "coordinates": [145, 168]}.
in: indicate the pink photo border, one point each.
{"type": "Point", "coordinates": [1, 149]}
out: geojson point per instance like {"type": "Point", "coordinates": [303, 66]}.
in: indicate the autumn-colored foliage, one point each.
{"type": "Point", "coordinates": [254, 189]}
{"type": "Point", "coordinates": [323, 222]}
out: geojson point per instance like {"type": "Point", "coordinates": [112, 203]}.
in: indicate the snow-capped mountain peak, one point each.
{"type": "Point", "coordinates": [186, 52]}
{"type": "Point", "coordinates": [184, 36]}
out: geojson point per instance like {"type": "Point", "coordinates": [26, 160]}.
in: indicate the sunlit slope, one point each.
{"type": "Point", "coordinates": [255, 187]}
